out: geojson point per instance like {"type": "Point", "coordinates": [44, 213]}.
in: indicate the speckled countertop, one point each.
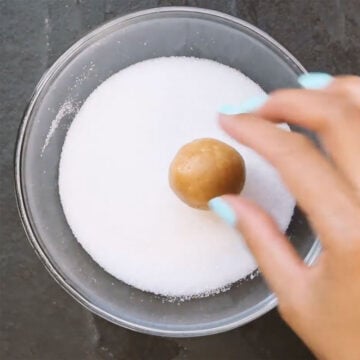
{"type": "Point", "coordinates": [38, 320]}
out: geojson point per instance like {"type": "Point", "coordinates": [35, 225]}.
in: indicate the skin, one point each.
{"type": "Point", "coordinates": [320, 303]}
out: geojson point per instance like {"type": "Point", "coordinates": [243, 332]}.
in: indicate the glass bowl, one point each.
{"type": "Point", "coordinates": [61, 91]}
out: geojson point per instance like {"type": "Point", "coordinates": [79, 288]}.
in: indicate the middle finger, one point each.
{"type": "Point", "coordinates": [335, 118]}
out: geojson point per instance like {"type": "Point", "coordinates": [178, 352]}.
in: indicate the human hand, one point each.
{"type": "Point", "coordinates": [321, 303]}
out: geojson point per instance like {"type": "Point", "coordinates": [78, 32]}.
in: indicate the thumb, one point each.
{"type": "Point", "coordinates": [276, 257]}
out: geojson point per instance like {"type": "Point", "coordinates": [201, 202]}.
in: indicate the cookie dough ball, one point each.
{"type": "Point", "coordinates": [204, 169]}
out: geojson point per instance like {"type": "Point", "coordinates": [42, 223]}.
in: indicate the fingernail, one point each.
{"type": "Point", "coordinates": [223, 210]}
{"type": "Point", "coordinates": [247, 106]}
{"type": "Point", "coordinates": [315, 80]}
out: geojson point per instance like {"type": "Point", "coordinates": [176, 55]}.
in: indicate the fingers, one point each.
{"type": "Point", "coordinates": [313, 109]}
{"type": "Point", "coordinates": [320, 190]}
{"type": "Point", "coordinates": [334, 114]}
{"type": "Point", "coordinates": [275, 256]}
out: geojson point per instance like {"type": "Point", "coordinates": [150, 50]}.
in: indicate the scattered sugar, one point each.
{"type": "Point", "coordinates": [113, 178]}
{"type": "Point", "coordinates": [65, 109]}
{"type": "Point", "coordinates": [69, 106]}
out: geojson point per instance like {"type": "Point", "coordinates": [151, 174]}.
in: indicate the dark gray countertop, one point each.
{"type": "Point", "coordinates": [38, 320]}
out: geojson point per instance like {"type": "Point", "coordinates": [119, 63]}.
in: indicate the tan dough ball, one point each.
{"type": "Point", "coordinates": [204, 169]}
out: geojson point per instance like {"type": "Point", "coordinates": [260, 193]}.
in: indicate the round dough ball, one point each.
{"type": "Point", "coordinates": [204, 169]}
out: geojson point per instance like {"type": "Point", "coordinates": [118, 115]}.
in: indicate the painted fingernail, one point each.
{"type": "Point", "coordinates": [247, 106]}
{"type": "Point", "coordinates": [315, 80]}
{"type": "Point", "coordinates": [222, 209]}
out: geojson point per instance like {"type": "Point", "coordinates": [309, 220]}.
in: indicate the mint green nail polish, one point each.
{"type": "Point", "coordinates": [247, 106]}
{"type": "Point", "coordinates": [223, 210]}
{"type": "Point", "coordinates": [315, 81]}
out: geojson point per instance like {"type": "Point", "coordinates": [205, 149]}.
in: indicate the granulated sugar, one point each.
{"type": "Point", "coordinates": [114, 177]}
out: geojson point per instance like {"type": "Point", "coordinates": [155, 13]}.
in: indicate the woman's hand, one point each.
{"type": "Point", "coordinates": [321, 303]}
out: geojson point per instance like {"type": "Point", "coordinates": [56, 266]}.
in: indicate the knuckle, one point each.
{"type": "Point", "coordinates": [294, 299]}
{"type": "Point", "coordinates": [352, 244]}
{"type": "Point", "coordinates": [346, 110]}
{"type": "Point", "coordinates": [278, 97]}
{"type": "Point", "coordinates": [348, 87]}
{"type": "Point", "coordinates": [287, 309]}
{"type": "Point", "coordinates": [278, 93]}
{"type": "Point", "coordinates": [342, 111]}
{"type": "Point", "coordinates": [349, 246]}
{"type": "Point", "coordinates": [295, 144]}
{"type": "Point", "coordinates": [300, 141]}
{"type": "Point", "coordinates": [347, 82]}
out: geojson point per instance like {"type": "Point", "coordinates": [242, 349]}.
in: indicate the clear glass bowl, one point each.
{"type": "Point", "coordinates": [98, 55]}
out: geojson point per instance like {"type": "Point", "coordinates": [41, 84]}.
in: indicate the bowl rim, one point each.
{"type": "Point", "coordinates": [269, 303]}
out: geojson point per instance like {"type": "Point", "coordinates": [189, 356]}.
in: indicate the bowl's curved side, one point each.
{"type": "Point", "coordinates": [254, 312]}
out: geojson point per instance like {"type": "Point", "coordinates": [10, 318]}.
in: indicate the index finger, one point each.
{"type": "Point", "coordinates": [335, 119]}
{"type": "Point", "coordinates": [320, 190]}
